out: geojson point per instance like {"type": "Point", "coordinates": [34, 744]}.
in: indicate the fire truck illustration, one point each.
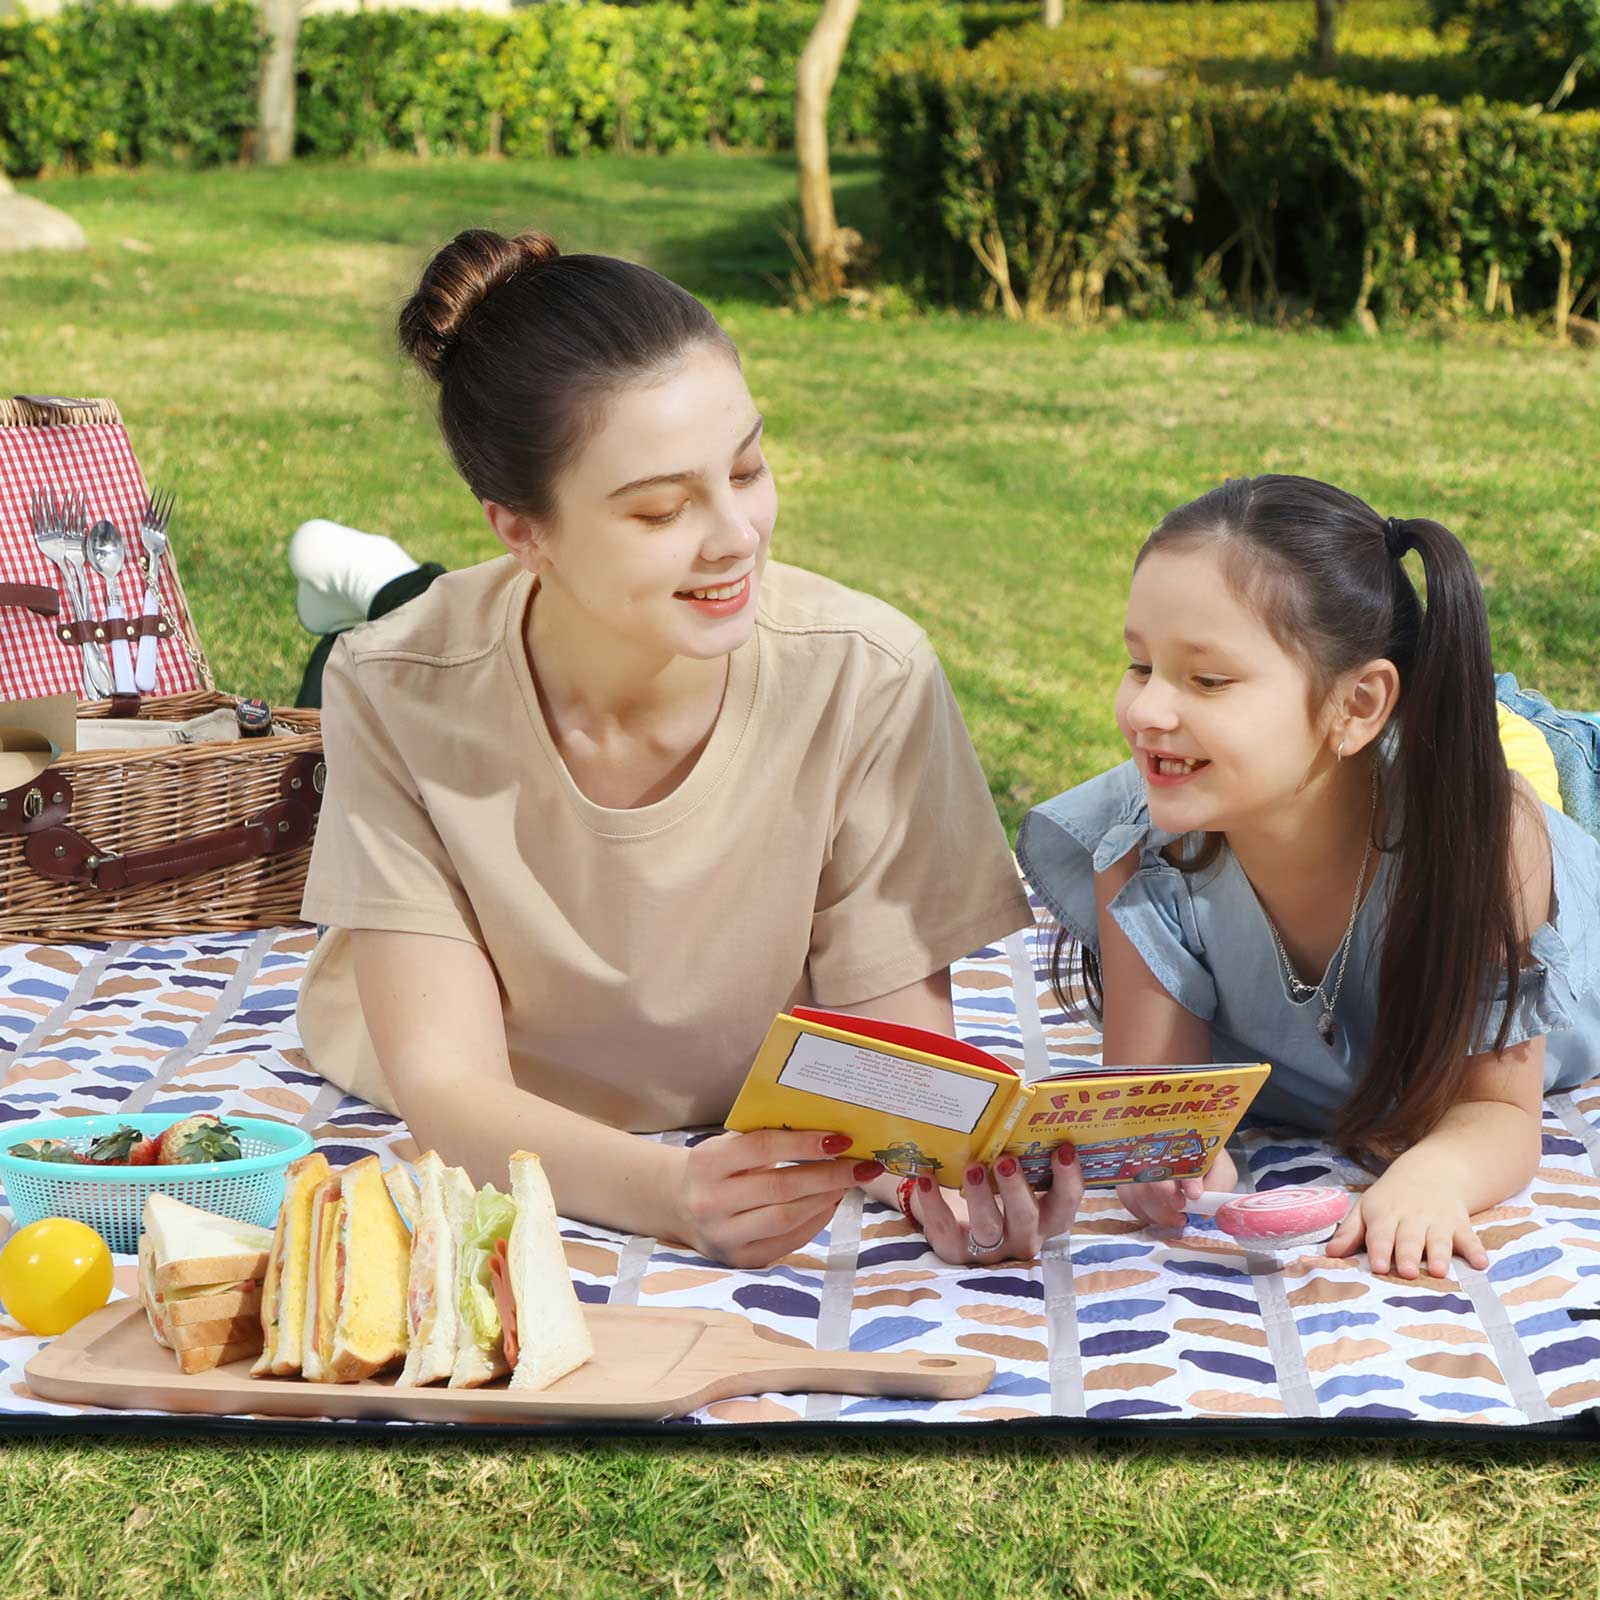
{"type": "Point", "coordinates": [1146, 1159]}
{"type": "Point", "coordinates": [907, 1159]}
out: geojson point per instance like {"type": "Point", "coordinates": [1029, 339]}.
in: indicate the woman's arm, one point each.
{"type": "Point", "coordinates": [433, 1008]}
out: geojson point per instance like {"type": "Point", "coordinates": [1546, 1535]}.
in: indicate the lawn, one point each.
{"type": "Point", "coordinates": [992, 480]}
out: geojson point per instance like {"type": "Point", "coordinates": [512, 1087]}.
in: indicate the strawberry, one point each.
{"type": "Point", "coordinates": [124, 1147]}
{"type": "Point", "coordinates": [47, 1150]}
{"type": "Point", "coordinates": [202, 1137]}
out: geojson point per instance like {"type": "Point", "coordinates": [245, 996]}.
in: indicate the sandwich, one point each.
{"type": "Point", "coordinates": [200, 1282]}
{"type": "Point", "coordinates": [358, 1254]}
{"type": "Point", "coordinates": [283, 1291]}
{"type": "Point", "coordinates": [518, 1309]}
{"type": "Point", "coordinates": [443, 1220]}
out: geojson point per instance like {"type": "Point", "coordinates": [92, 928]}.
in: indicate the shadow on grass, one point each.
{"type": "Point", "coordinates": [714, 223]}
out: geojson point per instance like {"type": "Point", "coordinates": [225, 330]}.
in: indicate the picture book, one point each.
{"type": "Point", "coordinates": [923, 1103]}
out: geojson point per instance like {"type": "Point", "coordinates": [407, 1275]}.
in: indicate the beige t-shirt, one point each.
{"type": "Point", "coordinates": [834, 842]}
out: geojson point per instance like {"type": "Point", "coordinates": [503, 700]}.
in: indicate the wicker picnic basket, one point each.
{"type": "Point", "coordinates": [179, 838]}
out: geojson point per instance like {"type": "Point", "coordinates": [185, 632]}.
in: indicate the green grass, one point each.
{"type": "Point", "coordinates": [1384, 45]}
{"type": "Point", "coordinates": [992, 480]}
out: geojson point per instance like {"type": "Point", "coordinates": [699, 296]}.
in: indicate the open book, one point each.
{"type": "Point", "coordinates": [922, 1103]}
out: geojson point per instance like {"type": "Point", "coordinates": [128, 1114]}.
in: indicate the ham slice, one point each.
{"type": "Point", "coordinates": [505, 1301]}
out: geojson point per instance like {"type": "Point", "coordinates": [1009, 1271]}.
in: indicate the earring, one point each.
{"type": "Point", "coordinates": [1338, 754]}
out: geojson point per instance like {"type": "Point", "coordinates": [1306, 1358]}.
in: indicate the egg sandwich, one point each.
{"type": "Point", "coordinates": [283, 1291]}
{"type": "Point", "coordinates": [358, 1261]}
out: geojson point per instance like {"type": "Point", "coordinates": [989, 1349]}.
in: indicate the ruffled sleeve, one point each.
{"type": "Point", "coordinates": [1563, 954]}
{"type": "Point", "coordinates": [1066, 841]}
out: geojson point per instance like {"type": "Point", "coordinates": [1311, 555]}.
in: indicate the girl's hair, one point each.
{"type": "Point", "coordinates": [1325, 573]}
{"type": "Point", "coordinates": [525, 343]}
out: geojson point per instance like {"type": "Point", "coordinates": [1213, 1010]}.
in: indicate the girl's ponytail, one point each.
{"type": "Point", "coordinates": [1326, 574]}
{"type": "Point", "coordinates": [1451, 922]}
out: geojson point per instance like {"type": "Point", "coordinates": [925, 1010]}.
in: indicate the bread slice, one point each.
{"type": "Point", "coordinates": [552, 1334]}
{"type": "Point", "coordinates": [204, 1358]}
{"type": "Point", "coordinates": [154, 1310]}
{"type": "Point", "coordinates": [321, 1300]}
{"type": "Point", "coordinates": [224, 1330]}
{"type": "Point", "coordinates": [402, 1189]}
{"type": "Point", "coordinates": [283, 1292]}
{"type": "Point", "coordinates": [194, 1248]}
{"type": "Point", "coordinates": [443, 1216]}
{"type": "Point", "coordinates": [229, 1300]}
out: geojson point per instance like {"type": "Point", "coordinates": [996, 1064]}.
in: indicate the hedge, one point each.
{"type": "Point", "coordinates": [118, 83]}
{"type": "Point", "coordinates": [1528, 48]}
{"type": "Point", "coordinates": [1020, 186]}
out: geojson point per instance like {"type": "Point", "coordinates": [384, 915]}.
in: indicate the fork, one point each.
{"type": "Point", "coordinates": [75, 527]}
{"type": "Point", "coordinates": [50, 537]}
{"type": "Point", "coordinates": [153, 535]}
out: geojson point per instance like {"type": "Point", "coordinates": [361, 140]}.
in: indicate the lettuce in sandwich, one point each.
{"type": "Point", "coordinates": [492, 1216]}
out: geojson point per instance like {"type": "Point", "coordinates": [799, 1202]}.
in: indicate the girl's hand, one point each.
{"type": "Point", "coordinates": [1161, 1205]}
{"type": "Point", "coordinates": [1008, 1222]}
{"type": "Point", "coordinates": [1406, 1220]}
{"type": "Point", "coordinates": [736, 1204]}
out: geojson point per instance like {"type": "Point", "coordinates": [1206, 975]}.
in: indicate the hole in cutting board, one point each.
{"type": "Point", "coordinates": [936, 1361]}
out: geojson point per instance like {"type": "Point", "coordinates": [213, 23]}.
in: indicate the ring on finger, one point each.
{"type": "Point", "coordinates": [975, 1249]}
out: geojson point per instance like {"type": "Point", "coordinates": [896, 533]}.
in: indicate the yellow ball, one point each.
{"type": "Point", "coordinates": [53, 1274]}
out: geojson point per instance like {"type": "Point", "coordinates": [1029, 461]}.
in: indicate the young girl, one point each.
{"type": "Point", "coordinates": [598, 809]}
{"type": "Point", "coordinates": [1318, 857]}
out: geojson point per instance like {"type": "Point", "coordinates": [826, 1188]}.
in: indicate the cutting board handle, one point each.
{"type": "Point", "coordinates": [911, 1373]}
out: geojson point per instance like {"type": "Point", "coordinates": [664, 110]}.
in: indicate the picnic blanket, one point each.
{"type": "Point", "coordinates": [1114, 1329]}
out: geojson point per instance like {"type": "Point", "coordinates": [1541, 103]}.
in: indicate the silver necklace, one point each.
{"type": "Point", "coordinates": [1301, 993]}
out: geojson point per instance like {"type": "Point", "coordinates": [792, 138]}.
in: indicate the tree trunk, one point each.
{"type": "Point", "coordinates": [814, 80]}
{"type": "Point", "coordinates": [1051, 12]}
{"type": "Point", "coordinates": [1325, 53]}
{"type": "Point", "coordinates": [275, 99]}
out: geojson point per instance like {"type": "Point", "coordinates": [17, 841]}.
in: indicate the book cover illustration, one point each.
{"type": "Point", "coordinates": [924, 1104]}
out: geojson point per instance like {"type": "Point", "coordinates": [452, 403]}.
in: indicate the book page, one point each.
{"type": "Point", "coordinates": [861, 1077]}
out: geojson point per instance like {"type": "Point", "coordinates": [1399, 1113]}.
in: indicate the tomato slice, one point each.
{"type": "Point", "coordinates": [505, 1301]}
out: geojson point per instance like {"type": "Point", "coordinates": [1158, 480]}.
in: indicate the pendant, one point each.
{"type": "Point", "coordinates": [1325, 1028]}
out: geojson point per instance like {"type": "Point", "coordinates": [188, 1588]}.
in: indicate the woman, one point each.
{"type": "Point", "coordinates": [600, 808]}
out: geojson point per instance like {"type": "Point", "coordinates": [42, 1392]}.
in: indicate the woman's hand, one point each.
{"type": "Point", "coordinates": [1162, 1205]}
{"type": "Point", "coordinates": [736, 1204]}
{"type": "Point", "coordinates": [1008, 1222]}
{"type": "Point", "coordinates": [1406, 1218]}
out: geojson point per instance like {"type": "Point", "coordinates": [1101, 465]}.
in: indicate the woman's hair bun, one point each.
{"type": "Point", "coordinates": [456, 282]}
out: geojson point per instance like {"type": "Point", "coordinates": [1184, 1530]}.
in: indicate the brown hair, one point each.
{"type": "Point", "coordinates": [1324, 570]}
{"type": "Point", "coordinates": [525, 343]}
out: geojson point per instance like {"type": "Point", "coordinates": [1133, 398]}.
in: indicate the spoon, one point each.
{"type": "Point", "coordinates": [104, 546]}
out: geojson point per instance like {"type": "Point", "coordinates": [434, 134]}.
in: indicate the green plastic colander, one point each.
{"type": "Point", "coordinates": [111, 1199]}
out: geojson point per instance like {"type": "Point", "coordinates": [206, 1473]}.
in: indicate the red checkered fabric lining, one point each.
{"type": "Point", "coordinates": [96, 460]}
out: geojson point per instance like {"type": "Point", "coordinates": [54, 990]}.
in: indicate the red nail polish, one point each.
{"type": "Point", "coordinates": [866, 1171]}
{"type": "Point", "coordinates": [974, 1176]}
{"type": "Point", "coordinates": [925, 1185]}
{"type": "Point", "coordinates": [836, 1144]}
{"type": "Point", "coordinates": [1066, 1153]}
{"type": "Point", "coordinates": [1006, 1166]}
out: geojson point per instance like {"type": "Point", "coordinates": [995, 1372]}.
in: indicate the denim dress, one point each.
{"type": "Point", "coordinates": [1206, 940]}
{"type": "Point", "coordinates": [1574, 740]}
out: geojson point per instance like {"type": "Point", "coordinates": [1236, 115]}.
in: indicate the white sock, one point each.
{"type": "Point", "coordinates": [340, 572]}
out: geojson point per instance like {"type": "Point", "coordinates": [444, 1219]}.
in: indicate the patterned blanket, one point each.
{"type": "Point", "coordinates": [1113, 1327]}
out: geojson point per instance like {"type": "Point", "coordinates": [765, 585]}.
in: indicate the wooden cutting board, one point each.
{"type": "Point", "coordinates": [650, 1362]}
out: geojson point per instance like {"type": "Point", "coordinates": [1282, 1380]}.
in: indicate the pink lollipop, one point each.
{"type": "Point", "coordinates": [1281, 1218]}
